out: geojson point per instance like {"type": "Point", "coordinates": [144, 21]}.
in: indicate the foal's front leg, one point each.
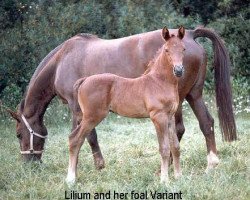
{"type": "Point", "coordinates": [160, 121]}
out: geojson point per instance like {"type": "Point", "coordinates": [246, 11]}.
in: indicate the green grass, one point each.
{"type": "Point", "coordinates": [130, 149]}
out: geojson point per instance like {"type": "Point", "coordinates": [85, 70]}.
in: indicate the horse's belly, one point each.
{"type": "Point", "coordinates": [194, 69]}
{"type": "Point", "coordinates": [131, 113]}
{"type": "Point", "coordinates": [131, 109]}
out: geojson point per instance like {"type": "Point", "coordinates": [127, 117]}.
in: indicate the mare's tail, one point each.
{"type": "Point", "coordinates": [222, 83]}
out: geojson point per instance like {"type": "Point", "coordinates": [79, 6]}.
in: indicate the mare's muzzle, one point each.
{"type": "Point", "coordinates": [178, 70]}
{"type": "Point", "coordinates": [32, 157]}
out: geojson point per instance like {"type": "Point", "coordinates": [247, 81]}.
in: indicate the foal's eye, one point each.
{"type": "Point", "coordinates": [166, 50]}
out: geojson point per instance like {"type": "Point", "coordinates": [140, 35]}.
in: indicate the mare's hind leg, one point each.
{"type": "Point", "coordinates": [180, 129]}
{"type": "Point", "coordinates": [92, 138]}
{"type": "Point", "coordinates": [76, 139]}
{"type": "Point", "coordinates": [174, 147]}
{"type": "Point", "coordinates": [206, 123]}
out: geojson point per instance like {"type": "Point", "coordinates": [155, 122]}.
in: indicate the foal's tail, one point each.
{"type": "Point", "coordinates": [222, 83]}
{"type": "Point", "coordinates": [77, 85]}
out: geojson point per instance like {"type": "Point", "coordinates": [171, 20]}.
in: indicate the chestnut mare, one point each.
{"type": "Point", "coordinates": [154, 95]}
{"type": "Point", "coordinates": [84, 55]}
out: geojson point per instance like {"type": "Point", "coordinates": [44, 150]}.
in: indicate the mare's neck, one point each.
{"type": "Point", "coordinates": [36, 101]}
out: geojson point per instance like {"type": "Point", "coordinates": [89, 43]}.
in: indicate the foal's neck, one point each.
{"type": "Point", "coordinates": [162, 68]}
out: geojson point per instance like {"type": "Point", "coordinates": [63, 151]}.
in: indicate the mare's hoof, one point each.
{"type": "Point", "coordinates": [212, 161]}
{"type": "Point", "coordinates": [99, 164]}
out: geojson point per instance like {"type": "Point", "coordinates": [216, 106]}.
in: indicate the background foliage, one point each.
{"type": "Point", "coordinates": [29, 30]}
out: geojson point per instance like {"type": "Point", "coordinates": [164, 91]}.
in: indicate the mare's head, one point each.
{"type": "Point", "coordinates": [31, 134]}
{"type": "Point", "coordinates": [174, 49]}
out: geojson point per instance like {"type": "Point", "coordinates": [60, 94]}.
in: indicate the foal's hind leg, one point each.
{"type": "Point", "coordinates": [76, 140]}
{"type": "Point", "coordinates": [207, 127]}
{"type": "Point", "coordinates": [75, 144]}
{"type": "Point", "coordinates": [92, 137]}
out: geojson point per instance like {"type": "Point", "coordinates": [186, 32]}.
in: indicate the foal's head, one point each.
{"type": "Point", "coordinates": [174, 49]}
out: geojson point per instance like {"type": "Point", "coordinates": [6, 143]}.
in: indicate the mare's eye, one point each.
{"type": "Point", "coordinates": [184, 49]}
{"type": "Point", "coordinates": [19, 136]}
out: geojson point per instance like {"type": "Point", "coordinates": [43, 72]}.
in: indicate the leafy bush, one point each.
{"type": "Point", "coordinates": [31, 29]}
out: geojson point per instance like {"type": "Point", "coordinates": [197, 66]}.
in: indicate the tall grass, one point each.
{"type": "Point", "coordinates": [130, 150]}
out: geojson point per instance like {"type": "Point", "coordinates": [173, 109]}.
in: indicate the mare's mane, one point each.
{"type": "Point", "coordinates": [40, 67]}
{"type": "Point", "coordinates": [21, 105]}
{"type": "Point", "coordinates": [44, 62]}
{"type": "Point", "coordinates": [87, 35]}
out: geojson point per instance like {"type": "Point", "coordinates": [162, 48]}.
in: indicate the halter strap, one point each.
{"type": "Point", "coordinates": [32, 133]}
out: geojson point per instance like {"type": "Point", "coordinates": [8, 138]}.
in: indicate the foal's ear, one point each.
{"type": "Point", "coordinates": [181, 32]}
{"type": "Point", "coordinates": [165, 33]}
{"type": "Point", "coordinates": [14, 115]}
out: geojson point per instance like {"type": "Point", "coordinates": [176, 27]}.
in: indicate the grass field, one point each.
{"type": "Point", "coordinates": [130, 150]}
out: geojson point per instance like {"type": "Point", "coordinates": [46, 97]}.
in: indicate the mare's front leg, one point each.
{"type": "Point", "coordinates": [161, 121]}
{"type": "Point", "coordinates": [92, 137]}
{"type": "Point", "coordinates": [96, 151]}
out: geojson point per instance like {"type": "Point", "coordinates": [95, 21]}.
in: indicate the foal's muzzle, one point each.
{"type": "Point", "coordinates": [178, 70]}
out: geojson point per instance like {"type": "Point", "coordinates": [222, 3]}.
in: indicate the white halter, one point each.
{"type": "Point", "coordinates": [32, 133]}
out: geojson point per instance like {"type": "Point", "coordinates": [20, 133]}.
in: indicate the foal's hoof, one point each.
{"type": "Point", "coordinates": [99, 163]}
{"type": "Point", "coordinates": [177, 175]}
{"type": "Point", "coordinates": [165, 181]}
{"type": "Point", "coordinates": [70, 180]}
{"type": "Point", "coordinates": [158, 172]}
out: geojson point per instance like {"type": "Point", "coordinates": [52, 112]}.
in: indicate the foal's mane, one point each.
{"type": "Point", "coordinates": [152, 61]}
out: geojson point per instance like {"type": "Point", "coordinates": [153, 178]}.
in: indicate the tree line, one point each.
{"type": "Point", "coordinates": [29, 30]}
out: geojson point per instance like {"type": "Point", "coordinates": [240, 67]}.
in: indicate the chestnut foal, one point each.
{"type": "Point", "coordinates": [154, 95]}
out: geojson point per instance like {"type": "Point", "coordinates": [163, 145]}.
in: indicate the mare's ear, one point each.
{"type": "Point", "coordinates": [165, 33]}
{"type": "Point", "coordinates": [14, 115]}
{"type": "Point", "coordinates": [181, 32]}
